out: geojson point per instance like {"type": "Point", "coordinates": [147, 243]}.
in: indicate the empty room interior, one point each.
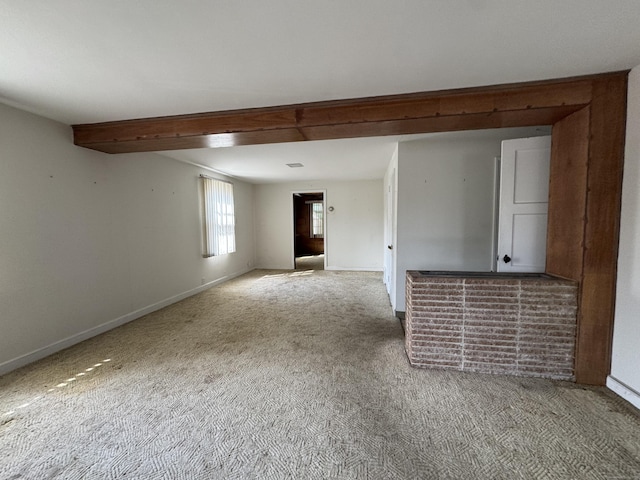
{"type": "Point", "coordinates": [320, 239]}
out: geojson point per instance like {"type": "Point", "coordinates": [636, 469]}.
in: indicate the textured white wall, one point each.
{"type": "Point", "coordinates": [445, 198]}
{"type": "Point", "coordinates": [445, 203]}
{"type": "Point", "coordinates": [89, 240]}
{"type": "Point", "coordinates": [626, 335]}
{"type": "Point", "coordinates": [354, 230]}
{"type": "Point", "coordinates": [158, 206]}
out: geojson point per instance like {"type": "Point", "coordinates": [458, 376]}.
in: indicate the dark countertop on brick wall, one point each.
{"type": "Point", "coordinates": [451, 274]}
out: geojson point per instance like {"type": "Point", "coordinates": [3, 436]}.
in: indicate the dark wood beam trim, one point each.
{"type": "Point", "coordinates": [276, 124]}
{"type": "Point", "coordinates": [185, 127]}
{"type": "Point", "coordinates": [568, 195]}
{"type": "Point", "coordinates": [157, 144]}
{"type": "Point", "coordinates": [601, 230]}
{"type": "Point", "coordinates": [449, 123]}
{"type": "Point", "coordinates": [431, 105]}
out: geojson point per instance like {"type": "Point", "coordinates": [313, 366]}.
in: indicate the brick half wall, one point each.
{"type": "Point", "coordinates": [502, 325]}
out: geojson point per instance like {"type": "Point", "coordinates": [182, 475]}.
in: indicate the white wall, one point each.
{"type": "Point", "coordinates": [445, 199]}
{"type": "Point", "coordinates": [89, 240]}
{"type": "Point", "coordinates": [354, 230]}
{"type": "Point", "coordinates": [625, 374]}
{"type": "Point", "coordinates": [390, 193]}
{"type": "Point", "coordinates": [446, 193]}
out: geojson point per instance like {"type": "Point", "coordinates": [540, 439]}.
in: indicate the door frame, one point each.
{"type": "Point", "coordinates": [292, 234]}
{"type": "Point", "coordinates": [497, 166]}
{"type": "Point", "coordinates": [389, 234]}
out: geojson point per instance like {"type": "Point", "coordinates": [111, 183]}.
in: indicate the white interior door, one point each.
{"type": "Point", "coordinates": [524, 202]}
{"type": "Point", "coordinates": [388, 234]}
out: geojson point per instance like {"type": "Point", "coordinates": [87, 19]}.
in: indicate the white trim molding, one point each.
{"type": "Point", "coordinates": [626, 392]}
{"type": "Point", "coordinates": [354, 269]}
{"type": "Point", "coordinates": [43, 352]}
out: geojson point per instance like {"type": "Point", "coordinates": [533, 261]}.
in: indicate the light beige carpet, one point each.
{"type": "Point", "coordinates": [295, 375]}
{"type": "Point", "coordinates": [310, 262]}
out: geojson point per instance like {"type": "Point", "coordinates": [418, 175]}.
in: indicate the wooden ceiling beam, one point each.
{"type": "Point", "coordinates": [464, 109]}
{"type": "Point", "coordinates": [449, 123]}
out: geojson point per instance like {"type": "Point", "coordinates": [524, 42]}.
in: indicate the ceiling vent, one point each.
{"type": "Point", "coordinates": [295, 165]}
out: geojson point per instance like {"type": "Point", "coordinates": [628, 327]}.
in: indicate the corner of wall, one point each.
{"type": "Point", "coordinates": [624, 378]}
{"type": "Point", "coordinates": [624, 391]}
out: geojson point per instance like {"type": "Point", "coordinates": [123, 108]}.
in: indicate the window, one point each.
{"type": "Point", "coordinates": [317, 220]}
{"type": "Point", "coordinates": [219, 217]}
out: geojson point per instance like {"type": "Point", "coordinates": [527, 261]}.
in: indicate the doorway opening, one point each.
{"type": "Point", "coordinates": [309, 228]}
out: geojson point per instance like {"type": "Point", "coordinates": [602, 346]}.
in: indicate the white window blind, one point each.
{"type": "Point", "coordinates": [317, 220]}
{"type": "Point", "coordinates": [219, 217]}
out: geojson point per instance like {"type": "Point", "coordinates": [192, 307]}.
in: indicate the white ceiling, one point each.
{"type": "Point", "coordinates": [79, 61]}
{"type": "Point", "coordinates": [350, 159]}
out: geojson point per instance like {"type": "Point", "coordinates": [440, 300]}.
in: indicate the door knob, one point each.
{"type": "Point", "coordinates": [506, 259]}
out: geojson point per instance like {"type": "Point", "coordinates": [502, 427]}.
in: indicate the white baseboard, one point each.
{"type": "Point", "coordinates": [43, 352]}
{"type": "Point", "coordinates": [626, 392]}
{"type": "Point", "coordinates": [354, 269]}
